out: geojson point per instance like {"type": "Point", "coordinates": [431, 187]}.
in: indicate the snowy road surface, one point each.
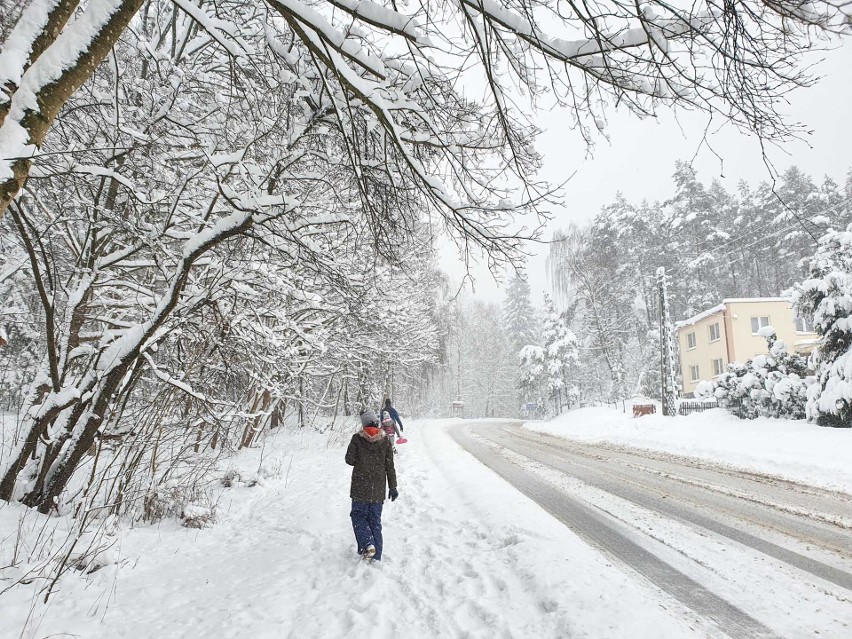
{"type": "Point", "coordinates": [647, 549]}
{"type": "Point", "coordinates": [755, 554]}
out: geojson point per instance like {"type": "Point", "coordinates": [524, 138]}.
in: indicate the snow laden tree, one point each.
{"type": "Point", "coordinates": [713, 244]}
{"type": "Point", "coordinates": [388, 341]}
{"type": "Point", "coordinates": [586, 276]}
{"type": "Point", "coordinates": [560, 352]}
{"type": "Point", "coordinates": [519, 315]}
{"type": "Point", "coordinates": [532, 378]}
{"type": "Point", "coordinates": [523, 328]}
{"type": "Point", "coordinates": [692, 217]}
{"type": "Point", "coordinates": [638, 55]}
{"type": "Point", "coordinates": [493, 364]}
{"type": "Point", "coordinates": [826, 298]}
{"type": "Point", "coordinates": [550, 371]}
{"type": "Point", "coordinates": [198, 240]}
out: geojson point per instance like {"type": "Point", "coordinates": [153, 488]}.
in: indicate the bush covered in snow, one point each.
{"type": "Point", "coordinates": [195, 516]}
{"type": "Point", "coordinates": [826, 297]}
{"type": "Point", "coordinates": [771, 385]}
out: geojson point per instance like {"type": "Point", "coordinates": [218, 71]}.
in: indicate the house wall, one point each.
{"type": "Point", "coordinates": [737, 343]}
{"type": "Point", "coordinates": [745, 345]}
{"type": "Point", "coordinates": [704, 352]}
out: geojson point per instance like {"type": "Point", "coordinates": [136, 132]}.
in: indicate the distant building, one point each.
{"type": "Point", "coordinates": [729, 332]}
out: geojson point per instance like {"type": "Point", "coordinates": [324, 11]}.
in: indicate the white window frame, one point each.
{"type": "Point", "coordinates": [718, 332]}
{"type": "Point", "coordinates": [718, 370]}
{"type": "Point", "coordinates": [691, 341]}
{"type": "Point", "coordinates": [694, 373]}
{"type": "Point", "coordinates": [806, 325]}
{"type": "Point", "coordinates": [759, 323]}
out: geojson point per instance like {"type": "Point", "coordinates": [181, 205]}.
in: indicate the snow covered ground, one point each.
{"type": "Point", "coordinates": [466, 556]}
{"type": "Point", "coordinates": [795, 450]}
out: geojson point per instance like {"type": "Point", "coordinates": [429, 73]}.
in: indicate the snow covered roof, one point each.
{"type": "Point", "coordinates": [697, 318]}
{"type": "Point", "coordinates": [740, 300]}
{"type": "Point", "coordinates": [721, 307]}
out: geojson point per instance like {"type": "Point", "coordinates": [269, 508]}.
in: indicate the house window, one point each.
{"type": "Point", "coordinates": [718, 366]}
{"type": "Point", "coordinates": [757, 323]}
{"type": "Point", "coordinates": [803, 325]}
{"type": "Point", "coordinates": [693, 373]}
{"type": "Point", "coordinates": [715, 333]}
{"type": "Point", "coordinates": [691, 342]}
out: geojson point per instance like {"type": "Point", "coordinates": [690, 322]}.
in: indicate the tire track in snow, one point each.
{"type": "Point", "coordinates": [611, 479]}
{"type": "Point", "coordinates": [601, 533]}
{"type": "Point", "coordinates": [824, 505]}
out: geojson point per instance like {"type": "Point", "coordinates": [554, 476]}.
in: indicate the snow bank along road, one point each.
{"type": "Point", "coordinates": [758, 556]}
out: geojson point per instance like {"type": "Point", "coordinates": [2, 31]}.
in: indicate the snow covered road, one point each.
{"type": "Point", "coordinates": [757, 555]}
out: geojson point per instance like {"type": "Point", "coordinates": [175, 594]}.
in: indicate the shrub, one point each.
{"type": "Point", "coordinates": [771, 385]}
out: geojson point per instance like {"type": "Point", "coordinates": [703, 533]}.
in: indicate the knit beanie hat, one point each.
{"type": "Point", "coordinates": [368, 418]}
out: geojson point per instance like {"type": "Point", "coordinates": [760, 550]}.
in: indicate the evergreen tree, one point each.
{"type": "Point", "coordinates": [519, 315]}
{"type": "Point", "coordinates": [560, 353]}
{"type": "Point", "coordinates": [694, 219]}
{"type": "Point", "coordinates": [826, 297]}
{"type": "Point", "coordinates": [532, 379]}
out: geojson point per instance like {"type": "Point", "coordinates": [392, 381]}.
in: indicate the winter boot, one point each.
{"type": "Point", "coordinates": [370, 552]}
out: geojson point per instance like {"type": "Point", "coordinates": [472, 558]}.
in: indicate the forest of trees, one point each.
{"type": "Point", "coordinates": [600, 340]}
{"type": "Point", "coordinates": [713, 244]}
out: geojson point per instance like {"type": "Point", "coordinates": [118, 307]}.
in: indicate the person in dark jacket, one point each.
{"type": "Point", "coordinates": [371, 455]}
{"type": "Point", "coordinates": [394, 415]}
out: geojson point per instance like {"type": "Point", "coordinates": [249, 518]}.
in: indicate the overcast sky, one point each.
{"type": "Point", "coordinates": [640, 156]}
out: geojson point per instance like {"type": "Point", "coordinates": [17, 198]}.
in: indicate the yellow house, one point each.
{"type": "Point", "coordinates": [730, 332]}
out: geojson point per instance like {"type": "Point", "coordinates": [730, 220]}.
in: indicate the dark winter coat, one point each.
{"type": "Point", "coordinates": [373, 467]}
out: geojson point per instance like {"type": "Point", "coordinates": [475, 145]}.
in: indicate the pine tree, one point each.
{"type": "Point", "coordinates": [519, 315]}
{"type": "Point", "coordinates": [693, 216]}
{"type": "Point", "coordinates": [560, 358]}
{"type": "Point", "coordinates": [826, 297]}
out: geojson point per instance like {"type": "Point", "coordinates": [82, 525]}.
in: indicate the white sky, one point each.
{"type": "Point", "coordinates": [640, 156]}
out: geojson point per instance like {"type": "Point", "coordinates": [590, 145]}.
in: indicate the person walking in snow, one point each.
{"type": "Point", "coordinates": [370, 453]}
{"type": "Point", "coordinates": [391, 429]}
{"type": "Point", "coordinates": [394, 415]}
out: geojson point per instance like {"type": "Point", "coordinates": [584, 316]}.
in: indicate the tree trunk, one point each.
{"type": "Point", "coordinates": [49, 99]}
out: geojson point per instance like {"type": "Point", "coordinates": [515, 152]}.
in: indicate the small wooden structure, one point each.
{"type": "Point", "coordinates": [458, 408]}
{"type": "Point", "coordinates": [644, 409]}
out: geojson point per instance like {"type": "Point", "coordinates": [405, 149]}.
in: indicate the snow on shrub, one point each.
{"type": "Point", "coordinates": [195, 516]}
{"type": "Point", "coordinates": [771, 385]}
{"type": "Point", "coordinates": [169, 499]}
{"type": "Point", "coordinates": [826, 298]}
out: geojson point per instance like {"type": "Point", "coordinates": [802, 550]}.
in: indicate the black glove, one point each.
{"type": "Point", "coordinates": [393, 494]}
{"type": "Point", "coordinates": [401, 429]}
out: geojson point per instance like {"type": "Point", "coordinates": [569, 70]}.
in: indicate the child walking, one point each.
{"type": "Point", "coordinates": [391, 429]}
{"type": "Point", "coordinates": [370, 453]}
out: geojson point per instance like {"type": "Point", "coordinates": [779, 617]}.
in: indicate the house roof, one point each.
{"type": "Point", "coordinates": [740, 300]}
{"type": "Point", "coordinates": [697, 318]}
{"type": "Point", "coordinates": [721, 307]}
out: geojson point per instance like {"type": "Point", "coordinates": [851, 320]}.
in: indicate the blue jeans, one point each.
{"type": "Point", "coordinates": [367, 524]}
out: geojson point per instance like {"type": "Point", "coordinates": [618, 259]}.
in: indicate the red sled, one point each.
{"type": "Point", "coordinates": [401, 440]}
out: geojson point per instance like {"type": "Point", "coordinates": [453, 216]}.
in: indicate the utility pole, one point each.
{"type": "Point", "coordinates": [668, 376]}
